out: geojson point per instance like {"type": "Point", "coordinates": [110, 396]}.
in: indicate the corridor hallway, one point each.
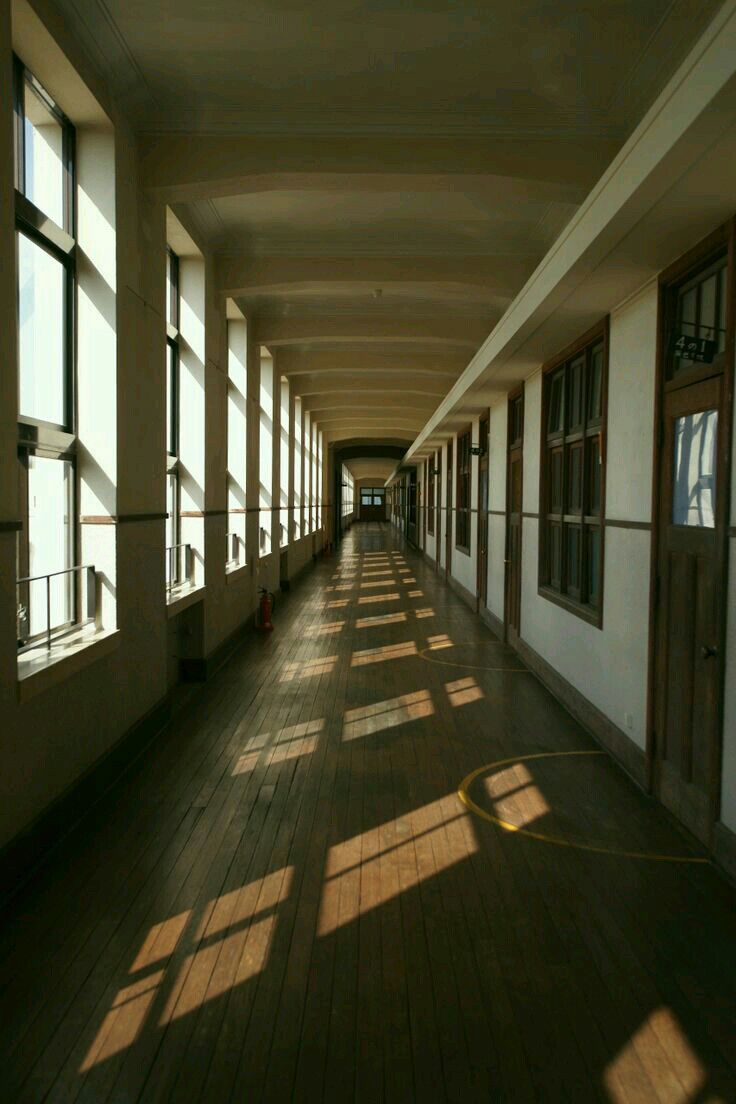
{"type": "Point", "coordinates": [286, 899]}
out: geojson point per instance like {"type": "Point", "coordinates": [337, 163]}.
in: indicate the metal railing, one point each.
{"type": "Point", "coordinates": [179, 566]}
{"type": "Point", "coordinates": [81, 606]}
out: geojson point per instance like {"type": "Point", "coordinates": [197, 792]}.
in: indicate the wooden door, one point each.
{"type": "Point", "coordinates": [692, 533]}
{"type": "Point", "coordinates": [438, 512]}
{"type": "Point", "coordinates": [514, 481]}
{"type": "Point", "coordinates": [482, 582]}
{"type": "Point", "coordinates": [448, 511]}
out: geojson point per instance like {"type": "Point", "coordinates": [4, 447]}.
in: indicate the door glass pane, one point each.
{"type": "Point", "coordinates": [171, 398]}
{"type": "Point", "coordinates": [595, 384]}
{"type": "Point", "coordinates": [50, 540]}
{"type": "Point", "coordinates": [41, 280]}
{"type": "Point", "coordinates": [694, 489]}
{"type": "Point", "coordinates": [44, 163]}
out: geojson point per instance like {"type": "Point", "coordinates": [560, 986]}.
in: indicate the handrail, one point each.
{"type": "Point", "coordinates": [67, 626]}
{"type": "Point", "coordinates": [173, 565]}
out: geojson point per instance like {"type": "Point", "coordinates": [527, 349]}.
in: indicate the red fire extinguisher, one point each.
{"type": "Point", "coordinates": [265, 608]}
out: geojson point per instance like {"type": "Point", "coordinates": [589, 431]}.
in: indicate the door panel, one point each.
{"type": "Point", "coordinates": [448, 512]}
{"type": "Point", "coordinates": [482, 582]}
{"type": "Point", "coordinates": [514, 505]}
{"type": "Point", "coordinates": [689, 614]}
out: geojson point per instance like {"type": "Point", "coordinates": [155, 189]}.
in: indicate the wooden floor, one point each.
{"type": "Point", "coordinates": [288, 901]}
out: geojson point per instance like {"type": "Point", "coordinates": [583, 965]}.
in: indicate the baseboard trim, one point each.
{"type": "Point", "coordinates": [26, 852]}
{"type": "Point", "coordinates": [724, 849]}
{"type": "Point", "coordinates": [489, 619]}
{"type": "Point", "coordinates": [603, 730]}
{"type": "Point", "coordinates": [468, 598]}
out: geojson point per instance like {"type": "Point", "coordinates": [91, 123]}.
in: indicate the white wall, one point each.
{"type": "Point", "coordinates": [608, 665]}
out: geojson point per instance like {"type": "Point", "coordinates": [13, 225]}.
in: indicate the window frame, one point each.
{"type": "Point", "coordinates": [173, 429]}
{"type": "Point", "coordinates": [463, 489]}
{"type": "Point", "coordinates": [431, 492]}
{"type": "Point", "coordinates": [37, 436]}
{"type": "Point", "coordinates": [567, 440]}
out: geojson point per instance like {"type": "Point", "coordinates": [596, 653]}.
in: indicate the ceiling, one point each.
{"type": "Point", "coordinates": [377, 178]}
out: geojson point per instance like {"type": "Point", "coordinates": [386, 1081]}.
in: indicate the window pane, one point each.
{"type": "Point", "coordinates": [575, 482]}
{"type": "Point", "coordinates": [555, 554]}
{"type": "Point", "coordinates": [593, 538]}
{"type": "Point", "coordinates": [554, 419]}
{"type": "Point", "coordinates": [41, 296]}
{"type": "Point", "coordinates": [171, 398]}
{"type": "Point", "coordinates": [694, 490]}
{"type": "Point", "coordinates": [50, 540]}
{"type": "Point", "coordinates": [44, 163]}
{"type": "Point", "coordinates": [595, 383]}
{"type": "Point", "coordinates": [572, 538]}
{"type": "Point", "coordinates": [555, 482]}
{"type": "Point", "coordinates": [594, 475]}
{"type": "Point", "coordinates": [575, 393]}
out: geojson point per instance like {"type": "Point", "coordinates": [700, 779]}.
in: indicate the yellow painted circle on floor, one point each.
{"type": "Point", "coordinates": [470, 666]}
{"type": "Point", "coordinates": [557, 840]}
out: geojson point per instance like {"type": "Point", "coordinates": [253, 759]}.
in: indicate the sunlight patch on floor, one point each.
{"type": "Point", "coordinates": [440, 640]}
{"type": "Point", "coordinates": [463, 691]}
{"type": "Point", "coordinates": [369, 719]}
{"type": "Point", "coordinates": [380, 619]}
{"type": "Point", "coordinates": [685, 1087]}
{"type": "Point", "coordinates": [380, 655]}
{"type": "Point", "coordinates": [308, 668]}
{"type": "Point", "coordinates": [371, 598]}
{"type": "Point", "coordinates": [366, 871]}
{"type": "Point", "coordinates": [330, 629]}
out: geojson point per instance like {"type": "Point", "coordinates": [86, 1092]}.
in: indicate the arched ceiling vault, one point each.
{"type": "Point", "coordinates": [377, 182]}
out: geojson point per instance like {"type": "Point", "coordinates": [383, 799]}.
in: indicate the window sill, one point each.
{"type": "Point", "coordinates": [239, 571]}
{"type": "Point", "coordinates": [594, 617]}
{"type": "Point", "coordinates": [460, 548]}
{"type": "Point", "coordinates": [182, 599]}
{"type": "Point", "coordinates": [41, 668]}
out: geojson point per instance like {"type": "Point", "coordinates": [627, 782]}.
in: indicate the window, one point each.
{"type": "Point", "coordinates": [462, 517]}
{"type": "Point", "coordinates": [431, 485]}
{"type": "Point", "coordinates": [572, 478]}
{"type": "Point", "coordinates": [237, 426]}
{"type": "Point", "coordinates": [266, 446]}
{"type": "Point", "coordinates": [54, 592]}
{"type": "Point", "coordinates": [176, 568]}
{"type": "Point", "coordinates": [284, 464]}
{"type": "Point", "coordinates": [298, 469]}
{"type": "Point", "coordinates": [348, 492]}
{"type": "Point", "coordinates": [700, 313]}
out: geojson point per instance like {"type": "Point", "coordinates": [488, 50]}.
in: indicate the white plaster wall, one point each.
{"type": "Point", "coordinates": [609, 665]}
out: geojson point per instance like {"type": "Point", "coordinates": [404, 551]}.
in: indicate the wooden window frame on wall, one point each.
{"type": "Point", "coordinates": [431, 480]}
{"type": "Point", "coordinates": [463, 505]}
{"type": "Point", "coordinates": [567, 440]}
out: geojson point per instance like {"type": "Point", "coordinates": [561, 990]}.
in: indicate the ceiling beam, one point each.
{"type": "Point", "coordinates": [457, 333]}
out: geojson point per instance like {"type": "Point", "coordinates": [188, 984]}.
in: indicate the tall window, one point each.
{"type": "Point", "coordinates": [348, 492]}
{"type": "Point", "coordinates": [572, 478]}
{"type": "Point", "coordinates": [462, 517]}
{"type": "Point", "coordinates": [307, 472]}
{"type": "Point", "coordinates": [53, 591]}
{"type": "Point", "coordinates": [176, 570]}
{"type": "Point", "coordinates": [266, 444]}
{"type": "Point", "coordinates": [284, 464]}
{"type": "Point", "coordinates": [298, 468]}
{"type": "Point", "coordinates": [237, 426]}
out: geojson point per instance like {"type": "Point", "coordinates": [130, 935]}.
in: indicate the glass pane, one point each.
{"type": "Point", "coordinates": [172, 290]}
{"type": "Point", "coordinates": [554, 420]}
{"type": "Point", "coordinates": [594, 388]}
{"type": "Point", "coordinates": [170, 398]}
{"type": "Point", "coordinates": [572, 535]}
{"type": "Point", "coordinates": [555, 485]}
{"type": "Point", "coordinates": [701, 312]}
{"type": "Point", "coordinates": [594, 475]}
{"type": "Point", "coordinates": [41, 295]}
{"type": "Point", "coordinates": [555, 555]}
{"type": "Point", "coordinates": [694, 490]}
{"type": "Point", "coordinates": [44, 162]}
{"type": "Point", "coordinates": [593, 538]}
{"type": "Point", "coordinates": [575, 484]}
{"type": "Point", "coordinates": [50, 540]}
{"type": "Point", "coordinates": [575, 393]}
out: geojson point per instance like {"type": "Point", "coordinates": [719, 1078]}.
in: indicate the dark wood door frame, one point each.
{"type": "Point", "coordinates": [448, 509]}
{"type": "Point", "coordinates": [482, 547]}
{"type": "Point", "coordinates": [438, 509]}
{"type": "Point", "coordinates": [698, 258]}
{"type": "Point", "coordinates": [514, 517]}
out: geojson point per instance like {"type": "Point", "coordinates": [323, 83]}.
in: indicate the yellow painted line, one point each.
{"type": "Point", "coordinates": [470, 666]}
{"type": "Point", "coordinates": [464, 796]}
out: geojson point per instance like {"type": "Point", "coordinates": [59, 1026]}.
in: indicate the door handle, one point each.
{"type": "Point", "coordinates": [707, 652]}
